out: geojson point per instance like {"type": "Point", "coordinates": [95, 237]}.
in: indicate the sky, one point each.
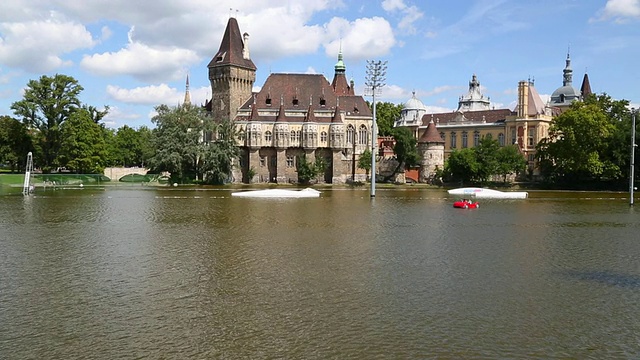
{"type": "Point", "coordinates": [135, 55]}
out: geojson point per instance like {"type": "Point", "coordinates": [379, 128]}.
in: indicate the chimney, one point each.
{"type": "Point", "coordinates": [245, 48]}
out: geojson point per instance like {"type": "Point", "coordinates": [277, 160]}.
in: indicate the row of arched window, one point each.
{"type": "Point", "coordinates": [453, 139]}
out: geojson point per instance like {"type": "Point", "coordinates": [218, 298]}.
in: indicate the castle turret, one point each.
{"type": "Point", "coordinates": [231, 73]}
{"type": "Point", "coordinates": [431, 151]}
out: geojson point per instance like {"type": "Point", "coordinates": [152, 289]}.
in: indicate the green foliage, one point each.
{"type": "Point", "coordinates": [587, 142]}
{"type": "Point", "coordinates": [405, 148]}
{"type": "Point", "coordinates": [308, 170]}
{"type": "Point", "coordinates": [177, 140]}
{"type": "Point", "coordinates": [130, 147]}
{"type": "Point", "coordinates": [462, 165]}
{"type": "Point", "coordinates": [386, 115]}
{"type": "Point", "coordinates": [364, 161]}
{"type": "Point", "coordinates": [480, 163]}
{"type": "Point", "coordinates": [221, 154]}
{"type": "Point", "coordinates": [15, 143]}
{"type": "Point", "coordinates": [46, 105]}
{"type": "Point", "coordinates": [84, 149]}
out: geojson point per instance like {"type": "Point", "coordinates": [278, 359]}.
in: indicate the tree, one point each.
{"type": "Point", "coordinates": [582, 143]}
{"type": "Point", "coordinates": [220, 154]}
{"type": "Point", "coordinates": [46, 105]}
{"type": "Point", "coordinates": [462, 165]}
{"type": "Point", "coordinates": [386, 115]}
{"type": "Point", "coordinates": [15, 143]}
{"type": "Point", "coordinates": [129, 147]}
{"type": "Point", "coordinates": [364, 161]}
{"type": "Point", "coordinates": [486, 155]}
{"type": "Point", "coordinates": [510, 161]}
{"type": "Point", "coordinates": [405, 149]}
{"type": "Point", "coordinates": [84, 149]}
{"type": "Point", "coordinates": [177, 139]}
{"type": "Point", "coordinates": [307, 170]}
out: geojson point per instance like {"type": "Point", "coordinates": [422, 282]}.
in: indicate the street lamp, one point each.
{"type": "Point", "coordinates": [633, 151]}
{"type": "Point", "coordinates": [376, 71]}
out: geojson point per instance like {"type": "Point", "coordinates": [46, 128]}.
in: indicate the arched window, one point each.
{"type": "Point", "coordinates": [501, 139]}
{"type": "Point", "coordinates": [267, 137]}
{"type": "Point", "coordinates": [292, 136]}
{"type": "Point", "coordinates": [453, 139]}
{"type": "Point", "coordinates": [465, 141]}
{"type": "Point", "coordinates": [363, 135]}
{"type": "Point", "coordinates": [351, 133]}
{"type": "Point", "coordinates": [476, 138]}
{"type": "Point", "coordinates": [323, 136]}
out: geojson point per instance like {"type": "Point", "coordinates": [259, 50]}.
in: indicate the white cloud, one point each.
{"type": "Point", "coordinates": [147, 95]}
{"type": "Point", "coordinates": [38, 46]}
{"type": "Point", "coordinates": [619, 10]}
{"type": "Point", "coordinates": [361, 39]}
{"type": "Point", "coordinates": [142, 62]}
{"type": "Point", "coordinates": [391, 5]}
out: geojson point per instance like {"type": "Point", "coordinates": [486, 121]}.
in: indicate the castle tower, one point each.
{"type": "Point", "coordinates": [187, 95]}
{"type": "Point", "coordinates": [231, 73]}
{"type": "Point", "coordinates": [566, 94]}
{"type": "Point", "coordinates": [431, 150]}
{"type": "Point", "coordinates": [339, 83]}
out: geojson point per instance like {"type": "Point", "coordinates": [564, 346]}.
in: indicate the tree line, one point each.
{"type": "Point", "coordinates": [587, 144]}
{"type": "Point", "coordinates": [65, 135]}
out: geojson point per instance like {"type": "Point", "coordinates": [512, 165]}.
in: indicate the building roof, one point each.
{"type": "Point", "coordinates": [232, 48]}
{"type": "Point", "coordinates": [460, 118]}
{"type": "Point", "coordinates": [431, 135]}
{"type": "Point", "coordinates": [585, 89]}
{"type": "Point", "coordinates": [297, 94]}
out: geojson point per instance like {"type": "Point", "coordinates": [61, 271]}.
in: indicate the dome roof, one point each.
{"type": "Point", "coordinates": [414, 104]}
{"type": "Point", "coordinates": [567, 91]}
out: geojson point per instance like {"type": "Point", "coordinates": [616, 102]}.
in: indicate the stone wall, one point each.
{"type": "Point", "coordinates": [115, 173]}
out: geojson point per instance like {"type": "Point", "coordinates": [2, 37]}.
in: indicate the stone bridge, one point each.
{"type": "Point", "coordinates": [115, 173]}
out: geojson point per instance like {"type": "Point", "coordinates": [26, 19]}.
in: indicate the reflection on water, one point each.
{"type": "Point", "coordinates": [192, 273]}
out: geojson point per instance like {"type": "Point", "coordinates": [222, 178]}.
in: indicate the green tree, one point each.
{"type": "Point", "coordinates": [177, 139]}
{"type": "Point", "coordinates": [510, 161]}
{"type": "Point", "coordinates": [129, 146]}
{"type": "Point", "coordinates": [46, 105]}
{"type": "Point", "coordinates": [462, 165]}
{"type": "Point", "coordinates": [307, 170]}
{"type": "Point", "coordinates": [220, 154]}
{"type": "Point", "coordinates": [15, 143]}
{"type": "Point", "coordinates": [405, 149]}
{"type": "Point", "coordinates": [386, 115]}
{"type": "Point", "coordinates": [487, 157]}
{"type": "Point", "coordinates": [581, 143]}
{"type": "Point", "coordinates": [84, 149]}
{"type": "Point", "coordinates": [364, 161]}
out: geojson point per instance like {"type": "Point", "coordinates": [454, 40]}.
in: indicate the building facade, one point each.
{"type": "Point", "coordinates": [293, 116]}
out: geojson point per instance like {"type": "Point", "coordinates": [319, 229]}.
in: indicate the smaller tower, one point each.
{"type": "Point", "coordinates": [187, 95]}
{"type": "Point", "coordinates": [431, 150]}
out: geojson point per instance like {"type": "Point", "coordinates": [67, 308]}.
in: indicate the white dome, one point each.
{"type": "Point", "coordinates": [414, 104]}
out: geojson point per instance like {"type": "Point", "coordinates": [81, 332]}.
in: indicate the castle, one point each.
{"type": "Point", "coordinates": [293, 116]}
{"type": "Point", "coordinates": [474, 119]}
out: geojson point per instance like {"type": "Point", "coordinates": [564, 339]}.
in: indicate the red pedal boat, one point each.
{"type": "Point", "coordinates": [466, 204]}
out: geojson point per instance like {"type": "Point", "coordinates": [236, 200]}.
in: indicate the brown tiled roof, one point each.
{"type": "Point", "coordinates": [230, 52]}
{"type": "Point", "coordinates": [340, 85]}
{"type": "Point", "coordinates": [336, 116]}
{"type": "Point", "coordinates": [489, 116]}
{"type": "Point", "coordinates": [585, 89]}
{"type": "Point", "coordinates": [431, 135]}
{"type": "Point", "coordinates": [298, 92]}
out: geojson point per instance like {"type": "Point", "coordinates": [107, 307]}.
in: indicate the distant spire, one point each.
{"type": "Point", "coordinates": [585, 89]}
{"type": "Point", "coordinates": [567, 72]}
{"type": "Point", "coordinates": [187, 95]}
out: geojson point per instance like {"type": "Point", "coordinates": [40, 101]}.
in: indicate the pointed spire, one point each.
{"type": "Point", "coordinates": [336, 119]}
{"type": "Point", "coordinates": [254, 109]}
{"type": "Point", "coordinates": [585, 89]}
{"type": "Point", "coordinates": [187, 95]}
{"type": "Point", "coordinates": [311, 117]}
{"type": "Point", "coordinates": [281, 115]}
{"type": "Point", "coordinates": [232, 48]}
{"type": "Point", "coordinates": [567, 72]}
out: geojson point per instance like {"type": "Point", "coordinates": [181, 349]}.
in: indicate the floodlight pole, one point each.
{"type": "Point", "coordinates": [376, 71]}
{"type": "Point", "coordinates": [633, 151]}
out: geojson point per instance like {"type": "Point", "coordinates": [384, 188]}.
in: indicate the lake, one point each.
{"type": "Point", "coordinates": [177, 273]}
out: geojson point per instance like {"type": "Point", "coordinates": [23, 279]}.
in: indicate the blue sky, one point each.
{"type": "Point", "coordinates": [134, 55]}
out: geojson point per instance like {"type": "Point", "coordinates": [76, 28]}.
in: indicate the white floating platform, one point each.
{"type": "Point", "coordinates": [278, 193]}
{"type": "Point", "coordinates": [482, 193]}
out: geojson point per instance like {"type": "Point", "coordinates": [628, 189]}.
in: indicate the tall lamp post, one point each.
{"type": "Point", "coordinates": [376, 72]}
{"type": "Point", "coordinates": [633, 151]}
